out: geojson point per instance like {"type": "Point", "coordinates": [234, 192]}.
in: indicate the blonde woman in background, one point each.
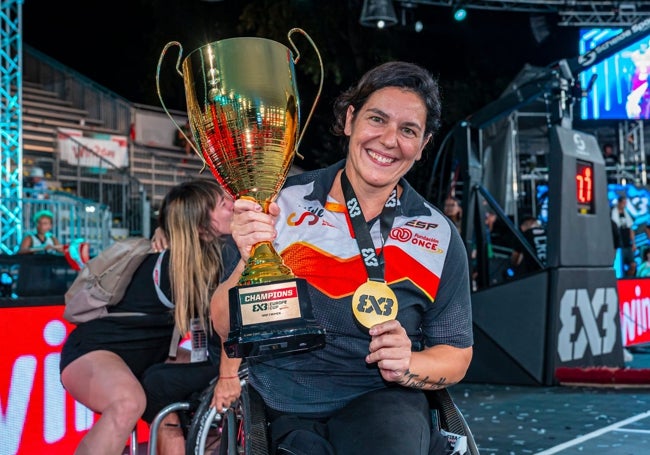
{"type": "Point", "coordinates": [103, 359]}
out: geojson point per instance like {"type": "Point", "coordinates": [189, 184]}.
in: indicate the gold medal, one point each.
{"type": "Point", "coordinates": [373, 303]}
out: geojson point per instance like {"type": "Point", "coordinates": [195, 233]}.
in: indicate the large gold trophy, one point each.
{"type": "Point", "coordinates": [243, 109]}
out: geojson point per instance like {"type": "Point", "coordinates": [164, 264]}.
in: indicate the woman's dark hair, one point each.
{"type": "Point", "coordinates": [408, 76]}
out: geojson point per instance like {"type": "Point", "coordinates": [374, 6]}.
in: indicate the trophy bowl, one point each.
{"type": "Point", "coordinates": [244, 113]}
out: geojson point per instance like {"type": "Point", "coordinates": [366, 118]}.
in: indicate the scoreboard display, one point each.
{"type": "Point", "coordinates": [585, 187]}
{"type": "Point", "coordinates": [579, 226]}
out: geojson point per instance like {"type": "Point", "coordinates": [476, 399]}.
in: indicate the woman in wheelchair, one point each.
{"type": "Point", "coordinates": [103, 360]}
{"type": "Point", "coordinates": [373, 247]}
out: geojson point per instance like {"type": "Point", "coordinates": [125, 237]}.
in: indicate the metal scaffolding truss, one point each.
{"type": "Point", "coordinates": [575, 13]}
{"type": "Point", "coordinates": [10, 124]}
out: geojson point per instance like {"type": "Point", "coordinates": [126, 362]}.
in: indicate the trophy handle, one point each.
{"type": "Point", "coordinates": [178, 63]}
{"type": "Point", "coordinates": [320, 86]}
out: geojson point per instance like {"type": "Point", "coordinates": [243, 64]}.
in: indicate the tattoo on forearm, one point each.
{"type": "Point", "coordinates": [413, 380]}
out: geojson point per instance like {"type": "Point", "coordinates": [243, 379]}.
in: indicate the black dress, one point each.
{"type": "Point", "coordinates": [140, 341]}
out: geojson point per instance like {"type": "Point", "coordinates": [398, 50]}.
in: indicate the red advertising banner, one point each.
{"type": "Point", "coordinates": [634, 308]}
{"type": "Point", "coordinates": [37, 415]}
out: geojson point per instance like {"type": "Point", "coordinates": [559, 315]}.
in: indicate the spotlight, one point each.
{"type": "Point", "coordinates": [378, 13]}
{"type": "Point", "coordinates": [418, 26]}
{"type": "Point", "coordinates": [460, 13]}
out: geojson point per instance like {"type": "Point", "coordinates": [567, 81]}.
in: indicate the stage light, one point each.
{"type": "Point", "coordinates": [460, 13]}
{"type": "Point", "coordinates": [378, 13]}
{"type": "Point", "coordinates": [419, 26]}
{"type": "Point", "coordinates": [539, 27]}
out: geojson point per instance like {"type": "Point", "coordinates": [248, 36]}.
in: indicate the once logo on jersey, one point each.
{"type": "Point", "coordinates": [401, 234]}
{"type": "Point", "coordinates": [406, 236]}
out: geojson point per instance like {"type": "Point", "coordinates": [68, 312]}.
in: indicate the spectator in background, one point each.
{"type": "Point", "coordinates": [610, 155]}
{"type": "Point", "coordinates": [42, 240]}
{"type": "Point", "coordinates": [646, 231]}
{"type": "Point", "coordinates": [611, 162]}
{"type": "Point", "coordinates": [489, 221]}
{"type": "Point", "coordinates": [624, 224]}
{"type": "Point", "coordinates": [186, 376]}
{"type": "Point", "coordinates": [453, 211]}
{"type": "Point", "coordinates": [643, 270]}
{"type": "Point", "coordinates": [38, 184]}
{"type": "Point", "coordinates": [103, 359]}
{"type": "Point", "coordinates": [535, 234]}
{"type": "Point", "coordinates": [616, 236]}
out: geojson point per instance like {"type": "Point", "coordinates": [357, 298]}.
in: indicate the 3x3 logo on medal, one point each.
{"type": "Point", "coordinates": [373, 303]}
{"type": "Point", "coordinates": [380, 305]}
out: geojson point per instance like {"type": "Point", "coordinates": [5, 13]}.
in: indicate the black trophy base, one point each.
{"type": "Point", "coordinates": [252, 343]}
{"type": "Point", "coordinates": [277, 336]}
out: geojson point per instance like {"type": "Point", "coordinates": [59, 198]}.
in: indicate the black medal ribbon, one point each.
{"type": "Point", "coordinates": [374, 263]}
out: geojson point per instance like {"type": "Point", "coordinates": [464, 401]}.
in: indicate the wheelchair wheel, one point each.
{"type": "Point", "coordinates": [255, 434]}
{"type": "Point", "coordinates": [471, 442]}
{"type": "Point", "coordinates": [450, 418]}
{"type": "Point", "coordinates": [242, 431]}
{"type": "Point", "coordinates": [206, 427]}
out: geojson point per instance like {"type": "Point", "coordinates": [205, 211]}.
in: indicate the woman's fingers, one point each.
{"type": "Point", "coordinates": [251, 225]}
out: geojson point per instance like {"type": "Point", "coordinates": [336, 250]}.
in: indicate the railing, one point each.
{"type": "Point", "coordinates": [153, 169]}
{"type": "Point", "coordinates": [74, 218]}
{"type": "Point", "coordinates": [160, 169]}
{"type": "Point", "coordinates": [123, 194]}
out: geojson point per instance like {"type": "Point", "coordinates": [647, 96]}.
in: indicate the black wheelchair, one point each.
{"type": "Point", "coordinates": [242, 430]}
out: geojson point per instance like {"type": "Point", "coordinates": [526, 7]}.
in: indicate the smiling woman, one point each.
{"type": "Point", "coordinates": [398, 318]}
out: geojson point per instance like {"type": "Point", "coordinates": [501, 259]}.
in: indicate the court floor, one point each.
{"type": "Point", "coordinates": [566, 420]}
{"type": "Point", "coordinates": [513, 420]}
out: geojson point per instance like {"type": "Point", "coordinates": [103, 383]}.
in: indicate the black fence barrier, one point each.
{"type": "Point", "coordinates": [27, 279]}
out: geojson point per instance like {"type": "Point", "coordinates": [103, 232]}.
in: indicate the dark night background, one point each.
{"type": "Point", "coordinates": [117, 44]}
